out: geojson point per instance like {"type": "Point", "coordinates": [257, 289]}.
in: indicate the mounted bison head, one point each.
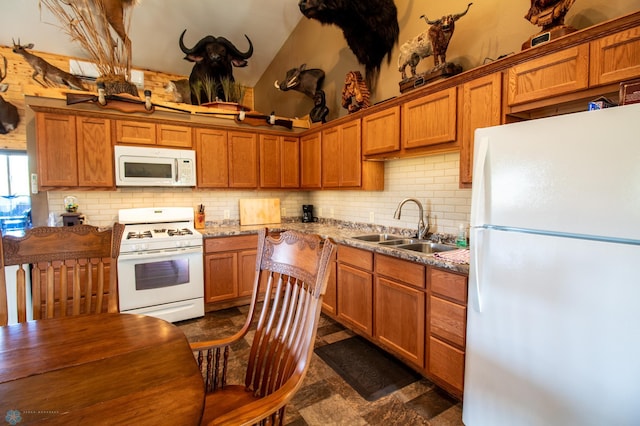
{"type": "Point", "coordinates": [214, 59]}
{"type": "Point", "coordinates": [9, 117]}
{"type": "Point", "coordinates": [306, 81]}
{"type": "Point", "coordinates": [370, 27]}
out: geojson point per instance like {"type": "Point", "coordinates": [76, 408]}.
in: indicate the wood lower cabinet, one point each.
{"type": "Point", "coordinates": [399, 307]}
{"type": "Point", "coordinates": [229, 267]}
{"type": "Point", "coordinates": [330, 299]}
{"type": "Point", "coordinates": [73, 151]}
{"type": "Point", "coordinates": [355, 288]}
{"type": "Point", "coordinates": [446, 328]}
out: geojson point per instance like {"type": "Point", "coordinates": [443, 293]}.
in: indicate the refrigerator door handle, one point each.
{"type": "Point", "coordinates": [475, 271]}
{"type": "Point", "coordinates": [478, 194]}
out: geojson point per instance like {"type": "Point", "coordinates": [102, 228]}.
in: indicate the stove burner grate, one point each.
{"type": "Point", "coordinates": [178, 232]}
{"type": "Point", "coordinates": [138, 235]}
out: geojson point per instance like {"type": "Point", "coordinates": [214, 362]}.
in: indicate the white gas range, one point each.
{"type": "Point", "coordinates": [160, 266]}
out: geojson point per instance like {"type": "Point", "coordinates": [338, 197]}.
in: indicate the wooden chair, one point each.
{"type": "Point", "coordinates": [68, 269]}
{"type": "Point", "coordinates": [294, 271]}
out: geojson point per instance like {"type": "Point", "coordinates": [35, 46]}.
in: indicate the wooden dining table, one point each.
{"type": "Point", "coordinates": [105, 369]}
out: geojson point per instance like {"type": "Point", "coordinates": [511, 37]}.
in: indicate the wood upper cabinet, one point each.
{"type": "Point", "coordinates": [480, 105]}
{"type": "Point", "coordinates": [73, 151]}
{"type": "Point", "coordinates": [446, 328]}
{"type": "Point", "coordinates": [381, 131]}
{"type": "Point", "coordinates": [554, 74]}
{"type": "Point", "coordinates": [243, 160]}
{"type": "Point", "coordinates": [279, 161]}
{"type": "Point", "coordinates": [399, 307]}
{"type": "Point", "coordinates": [147, 133]}
{"type": "Point", "coordinates": [212, 158]}
{"type": "Point", "coordinates": [430, 120]}
{"type": "Point", "coordinates": [615, 58]}
{"type": "Point", "coordinates": [355, 288]}
{"type": "Point", "coordinates": [311, 161]}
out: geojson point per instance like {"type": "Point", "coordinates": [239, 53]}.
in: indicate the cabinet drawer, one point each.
{"type": "Point", "coordinates": [448, 320]}
{"type": "Point", "coordinates": [615, 58]}
{"type": "Point", "coordinates": [449, 285]}
{"type": "Point", "coordinates": [241, 242]}
{"type": "Point", "coordinates": [401, 270]}
{"type": "Point", "coordinates": [446, 363]}
{"type": "Point", "coordinates": [552, 75]}
{"type": "Point", "coordinates": [360, 258]}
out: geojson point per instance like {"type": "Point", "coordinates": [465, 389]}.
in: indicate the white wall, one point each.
{"type": "Point", "coordinates": [433, 180]}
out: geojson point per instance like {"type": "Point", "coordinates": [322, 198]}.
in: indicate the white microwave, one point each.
{"type": "Point", "coordinates": [151, 166]}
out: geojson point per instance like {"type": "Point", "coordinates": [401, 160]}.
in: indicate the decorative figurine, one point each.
{"type": "Point", "coordinates": [320, 111]}
{"type": "Point", "coordinates": [548, 14]}
{"type": "Point", "coordinates": [432, 42]}
{"type": "Point", "coordinates": [355, 94]}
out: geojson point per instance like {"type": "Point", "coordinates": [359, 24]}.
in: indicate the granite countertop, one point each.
{"type": "Point", "coordinates": [341, 234]}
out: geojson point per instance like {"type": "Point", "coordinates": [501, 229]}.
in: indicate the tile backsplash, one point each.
{"type": "Point", "coordinates": [433, 180]}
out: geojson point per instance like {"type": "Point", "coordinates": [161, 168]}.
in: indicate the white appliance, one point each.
{"type": "Point", "coordinates": [160, 266]}
{"type": "Point", "coordinates": [554, 285]}
{"type": "Point", "coordinates": [151, 166]}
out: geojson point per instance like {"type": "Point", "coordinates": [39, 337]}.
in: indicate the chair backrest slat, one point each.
{"type": "Point", "coordinates": [67, 267]}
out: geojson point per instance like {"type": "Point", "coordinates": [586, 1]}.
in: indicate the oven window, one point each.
{"type": "Point", "coordinates": [147, 170]}
{"type": "Point", "coordinates": [165, 273]}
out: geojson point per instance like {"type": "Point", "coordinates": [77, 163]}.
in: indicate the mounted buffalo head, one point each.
{"type": "Point", "coordinates": [214, 59]}
{"type": "Point", "coordinates": [307, 81]}
{"type": "Point", "coordinates": [370, 27]}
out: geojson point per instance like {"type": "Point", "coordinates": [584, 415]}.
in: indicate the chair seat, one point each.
{"type": "Point", "coordinates": [224, 400]}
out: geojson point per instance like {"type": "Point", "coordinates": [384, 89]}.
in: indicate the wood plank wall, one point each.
{"type": "Point", "coordinates": [19, 79]}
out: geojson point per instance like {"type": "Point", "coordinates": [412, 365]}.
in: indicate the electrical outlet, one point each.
{"type": "Point", "coordinates": [331, 213]}
{"type": "Point", "coordinates": [320, 212]}
{"type": "Point", "coordinates": [226, 214]}
{"type": "Point", "coordinates": [283, 212]}
{"type": "Point", "coordinates": [372, 217]}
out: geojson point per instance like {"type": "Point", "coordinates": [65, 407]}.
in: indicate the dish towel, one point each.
{"type": "Point", "coordinates": [455, 256]}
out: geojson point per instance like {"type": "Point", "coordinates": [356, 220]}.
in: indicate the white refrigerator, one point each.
{"type": "Point", "coordinates": [553, 325]}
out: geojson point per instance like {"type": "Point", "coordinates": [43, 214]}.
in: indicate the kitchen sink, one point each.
{"type": "Point", "coordinates": [377, 238]}
{"type": "Point", "coordinates": [398, 242]}
{"type": "Point", "coordinates": [427, 247]}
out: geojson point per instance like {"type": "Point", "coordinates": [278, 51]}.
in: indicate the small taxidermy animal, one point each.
{"type": "Point", "coordinates": [49, 73]}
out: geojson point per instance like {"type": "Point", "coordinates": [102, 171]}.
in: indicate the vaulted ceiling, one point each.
{"type": "Point", "coordinates": [156, 26]}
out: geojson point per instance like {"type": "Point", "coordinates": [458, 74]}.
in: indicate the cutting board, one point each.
{"type": "Point", "coordinates": [259, 211]}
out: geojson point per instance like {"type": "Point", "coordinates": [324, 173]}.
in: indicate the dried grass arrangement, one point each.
{"type": "Point", "coordinates": [100, 27]}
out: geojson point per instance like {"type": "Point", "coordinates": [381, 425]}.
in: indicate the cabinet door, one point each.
{"type": "Point", "coordinates": [615, 58]}
{"type": "Point", "coordinates": [446, 363]}
{"type": "Point", "coordinates": [429, 120]}
{"type": "Point", "coordinates": [135, 132]}
{"type": "Point", "coordinates": [95, 153]}
{"type": "Point", "coordinates": [331, 158]}
{"type": "Point", "coordinates": [270, 161]}
{"type": "Point", "coordinates": [329, 301]}
{"type": "Point", "coordinates": [350, 155]}
{"type": "Point", "coordinates": [57, 149]}
{"type": "Point", "coordinates": [174, 136]}
{"type": "Point", "coordinates": [311, 161]}
{"type": "Point", "coordinates": [212, 158]}
{"type": "Point", "coordinates": [246, 272]}
{"type": "Point", "coordinates": [555, 74]}
{"type": "Point", "coordinates": [221, 276]}
{"type": "Point", "coordinates": [480, 106]}
{"type": "Point", "coordinates": [355, 298]}
{"type": "Point", "coordinates": [243, 160]}
{"type": "Point", "coordinates": [381, 132]}
{"type": "Point", "coordinates": [290, 177]}
{"type": "Point", "coordinates": [400, 319]}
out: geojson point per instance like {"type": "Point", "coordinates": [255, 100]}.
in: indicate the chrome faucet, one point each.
{"type": "Point", "coordinates": [422, 228]}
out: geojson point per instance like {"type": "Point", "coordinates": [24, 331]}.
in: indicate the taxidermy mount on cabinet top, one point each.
{"type": "Point", "coordinates": [370, 28]}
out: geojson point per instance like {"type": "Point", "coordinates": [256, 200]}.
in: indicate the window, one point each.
{"type": "Point", "coordinates": [15, 202]}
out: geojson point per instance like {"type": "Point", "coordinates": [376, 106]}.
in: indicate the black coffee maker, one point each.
{"type": "Point", "coordinates": [307, 213]}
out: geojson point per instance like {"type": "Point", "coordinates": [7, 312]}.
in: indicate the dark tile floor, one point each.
{"type": "Point", "coordinates": [325, 398]}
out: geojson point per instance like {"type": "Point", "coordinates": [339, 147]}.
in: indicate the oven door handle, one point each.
{"type": "Point", "coordinates": [160, 253]}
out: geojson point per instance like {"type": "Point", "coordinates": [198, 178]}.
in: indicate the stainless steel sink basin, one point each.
{"type": "Point", "coordinates": [427, 247]}
{"type": "Point", "coordinates": [398, 242]}
{"type": "Point", "coordinates": [376, 238]}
